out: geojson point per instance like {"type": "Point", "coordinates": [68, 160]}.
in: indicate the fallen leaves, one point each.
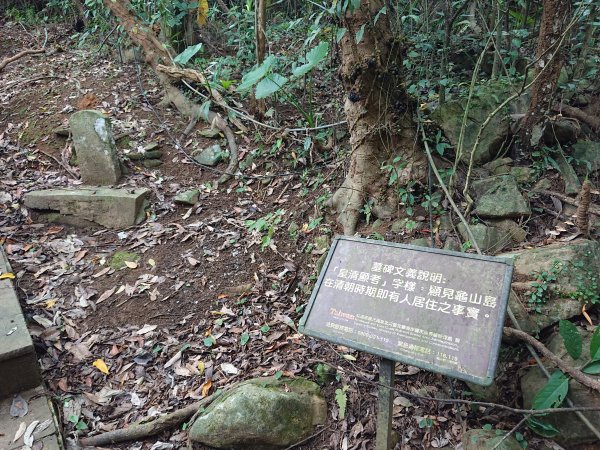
{"type": "Point", "coordinates": [101, 366]}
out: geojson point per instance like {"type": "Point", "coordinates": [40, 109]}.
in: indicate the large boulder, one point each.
{"type": "Point", "coordinates": [262, 413]}
{"type": "Point", "coordinates": [569, 271]}
{"type": "Point", "coordinates": [95, 148]}
{"type": "Point", "coordinates": [449, 117]}
{"type": "Point", "coordinates": [572, 430]}
{"type": "Point", "coordinates": [499, 197]}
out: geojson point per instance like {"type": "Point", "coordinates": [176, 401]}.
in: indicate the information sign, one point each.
{"type": "Point", "coordinates": [439, 310]}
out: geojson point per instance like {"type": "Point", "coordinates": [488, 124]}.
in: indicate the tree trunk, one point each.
{"type": "Point", "coordinates": [549, 59]}
{"type": "Point", "coordinates": [379, 117]}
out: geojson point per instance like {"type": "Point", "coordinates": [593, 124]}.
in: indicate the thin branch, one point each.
{"type": "Point", "coordinates": [573, 372]}
{"type": "Point", "coordinates": [513, 430]}
{"type": "Point", "coordinates": [6, 61]}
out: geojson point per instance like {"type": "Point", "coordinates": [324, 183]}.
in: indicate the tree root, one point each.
{"type": "Point", "coordinates": [6, 61]}
{"type": "Point", "coordinates": [574, 373]}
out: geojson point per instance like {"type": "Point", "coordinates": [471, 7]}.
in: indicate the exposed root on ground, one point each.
{"type": "Point", "coordinates": [158, 58]}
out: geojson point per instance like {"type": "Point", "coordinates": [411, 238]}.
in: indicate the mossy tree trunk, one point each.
{"type": "Point", "coordinates": [379, 117]}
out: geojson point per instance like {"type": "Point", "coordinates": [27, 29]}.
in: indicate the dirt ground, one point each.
{"type": "Point", "coordinates": [204, 306]}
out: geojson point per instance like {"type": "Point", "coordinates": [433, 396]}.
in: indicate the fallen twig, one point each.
{"type": "Point", "coordinates": [6, 61]}
{"type": "Point", "coordinates": [571, 201]}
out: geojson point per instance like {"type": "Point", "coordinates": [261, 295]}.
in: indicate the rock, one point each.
{"type": "Point", "coordinates": [543, 185]}
{"type": "Point", "coordinates": [514, 232]}
{"type": "Point", "coordinates": [398, 225]}
{"type": "Point", "coordinates": [421, 242]}
{"type": "Point", "coordinates": [489, 239]}
{"type": "Point", "coordinates": [449, 117]}
{"type": "Point", "coordinates": [522, 174]}
{"type": "Point", "coordinates": [452, 244]}
{"type": "Point", "coordinates": [117, 261]}
{"type": "Point", "coordinates": [320, 263]}
{"type": "Point", "coordinates": [95, 148]}
{"type": "Point", "coordinates": [61, 131]}
{"type": "Point", "coordinates": [562, 130]}
{"type": "Point", "coordinates": [112, 208]}
{"type": "Point", "coordinates": [572, 183]}
{"type": "Point", "coordinates": [322, 242]}
{"type": "Point", "coordinates": [487, 440]}
{"type": "Point", "coordinates": [499, 197]}
{"type": "Point", "coordinates": [151, 146]}
{"type": "Point", "coordinates": [151, 163]}
{"type": "Point", "coordinates": [210, 156]}
{"type": "Point", "coordinates": [153, 154]}
{"type": "Point", "coordinates": [189, 197]}
{"type": "Point", "coordinates": [293, 229]}
{"type": "Point", "coordinates": [576, 266]}
{"type": "Point", "coordinates": [572, 430]}
{"type": "Point", "coordinates": [524, 319]}
{"type": "Point", "coordinates": [499, 166]}
{"type": "Point", "coordinates": [260, 414]}
{"type": "Point", "coordinates": [587, 155]}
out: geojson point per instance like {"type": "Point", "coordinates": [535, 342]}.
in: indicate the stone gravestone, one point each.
{"type": "Point", "coordinates": [95, 148]}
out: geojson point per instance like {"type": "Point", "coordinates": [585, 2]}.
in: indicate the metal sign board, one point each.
{"type": "Point", "coordinates": [439, 310]}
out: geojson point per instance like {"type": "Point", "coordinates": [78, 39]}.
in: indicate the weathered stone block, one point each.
{"type": "Point", "coordinates": [499, 197]}
{"type": "Point", "coordinates": [95, 148]}
{"type": "Point", "coordinates": [261, 413]}
{"type": "Point", "coordinates": [112, 208]}
{"type": "Point", "coordinates": [18, 361]}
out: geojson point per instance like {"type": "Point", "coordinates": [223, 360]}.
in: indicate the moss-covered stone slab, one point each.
{"type": "Point", "coordinates": [576, 267]}
{"type": "Point", "coordinates": [95, 148]}
{"type": "Point", "coordinates": [111, 208]}
{"type": "Point", "coordinates": [189, 197]}
{"type": "Point", "coordinates": [262, 413]}
{"type": "Point", "coordinates": [499, 197]}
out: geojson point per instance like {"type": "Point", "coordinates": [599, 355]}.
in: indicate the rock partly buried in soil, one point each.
{"type": "Point", "coordinates": [499, 197]}
{"type": "Point", "coordinates": [95, 148]}
{"type": "Point", "coordinates": [189, 197]}
{"type": "Point", "coordinates": [210, 156]}
{"type": "Point", "coordinates": [111, 208]}
{"type": "Point", "coordinates": [587, 155]}
{"type": "Point", "coordinates": [576, 267]}
{"type": "Point", "coordinates": [487, 440]}
{"type": "Point", "coordinates": [572, 430]}
{"type": "Point", "coordinates": [261, 413]}
{"type": "Point", "coordinates": [489, 239]}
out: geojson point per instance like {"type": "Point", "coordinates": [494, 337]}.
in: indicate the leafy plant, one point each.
{"type": "Point", "coordinates": [541, 286]}
{"type": "Point", "coordinates": [341, 399]}
{"type": "Point", "coordinates": [265, 226]}
{"type": "Point", "coordinates": [367, 210]}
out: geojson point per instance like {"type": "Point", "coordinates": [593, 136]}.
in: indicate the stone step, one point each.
{"type": "Point", "coordinates": [19, 368]}
{"type": "Point", "coordinates": [109, 207]}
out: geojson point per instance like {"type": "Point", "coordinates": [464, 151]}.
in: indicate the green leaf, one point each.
{"type": "Point", "coordinates": [209, 341]}
{"type": "Point", "coordinates": [341, 399]}
{"type": "Point", "coordinates": [340, 34]}
{"type": "Point", "coordinates": [268, 86]}
{"type": "Point", "coordinates": [187, 54]}
{"type": "Point", "coordinates": [595, 344]}
{"type": "Point", "coordinates": [542, 428]}
{"type": "Point", "coordinates": [592, 368]}
{"type": "Point", "coordinates": [571, 338]}
{"type": "Point", "coordinates": [360, 33]}
{"type": "Point", "coordinates": [381, 11]}
{"type": "Point", "coordinates": [313, 57]}
{"type": "Point", "coordinates": [265, 328]}
{"type": "Point", "coordinates": [255, 75]}
{"type": "Point", "coordinates": [553, 393]}
{"type": "Point", "coordinates": [244, 338]}
{"type": "Point", "coordinates": [73, 418]}
{"type": "Point", "coordinates": [81, 425]}
{"type": "Point", "coordinates": [278, 374]}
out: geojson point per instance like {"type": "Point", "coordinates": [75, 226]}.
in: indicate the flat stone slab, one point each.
{"type": "Point", "coordinates": [19, 368]}
{"type": "Point", "coordinates": [40, 410]}
{"type": "Point", "coordinates": [111, 208]}
{"type": "Point", "coordinates": [95, 148]}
